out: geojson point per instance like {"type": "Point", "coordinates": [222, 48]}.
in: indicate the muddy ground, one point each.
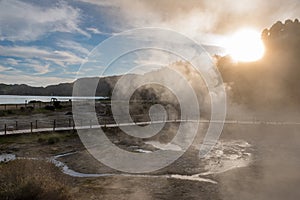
{"type": "Point", "coordinates": [273, 172]}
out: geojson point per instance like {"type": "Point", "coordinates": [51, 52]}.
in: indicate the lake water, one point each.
{"type": "Point", "coordinates": [17, 99]}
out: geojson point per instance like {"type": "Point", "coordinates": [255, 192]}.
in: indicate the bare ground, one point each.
{"type": "Point", "coordinates": [273, 174]}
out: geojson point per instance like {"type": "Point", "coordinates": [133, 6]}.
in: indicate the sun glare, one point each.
{"type": "Point", "coordinates": [246, 46]}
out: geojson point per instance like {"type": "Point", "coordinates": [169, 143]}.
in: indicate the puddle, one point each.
{"type": "Point", "coordinates": [227, 155]}
{"type": "Point", "coordinates": [142, 151]}
{"type": "Point", "coordinates": [70, 172]}
{"type": "Point", "coordinates": [66, 170]}
{"type": "Point", "coordinates": [7, 157]}
{"type": "Point", "coordinates": [165, 147]}
{"type": "Point", "coordinates": [195, 177]}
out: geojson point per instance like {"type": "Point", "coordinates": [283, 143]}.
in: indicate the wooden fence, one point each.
{"type": "Point", "coordinates": [62, 122]}
{"type": "Point", "coordinates": [59, 125]}
{"type": "Point", "coordinates": [36, 124]}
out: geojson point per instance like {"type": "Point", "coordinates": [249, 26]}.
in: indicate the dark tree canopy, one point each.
{"type": "Point", "coordinates": [275, 79]}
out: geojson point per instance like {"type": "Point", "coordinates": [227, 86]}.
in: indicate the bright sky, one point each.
{"type": "Point", "coordinates": [45, 42]}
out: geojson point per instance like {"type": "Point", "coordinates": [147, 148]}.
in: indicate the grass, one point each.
{"type": "Point", "coordinates": [32, 180]}
{"type": "Point", "coordinates": [53, 140]}
{"type": "Point", "coordinates": [34, 111]}
{"type": "Point", "coordinates": [50, 138]}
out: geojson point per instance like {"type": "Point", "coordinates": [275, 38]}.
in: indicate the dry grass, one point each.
{"type": "Point", "coordinates": [32, 179]}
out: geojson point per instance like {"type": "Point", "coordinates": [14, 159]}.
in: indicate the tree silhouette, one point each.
{"type": "Point", "coordinates": [274, 80]}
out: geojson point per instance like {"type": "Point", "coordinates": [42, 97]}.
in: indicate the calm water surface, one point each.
{"type": "Point", "coordinates": [16, 99]}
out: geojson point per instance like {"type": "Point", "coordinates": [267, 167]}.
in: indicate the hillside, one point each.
{"type": "Point", "coordinates": [62, 89]}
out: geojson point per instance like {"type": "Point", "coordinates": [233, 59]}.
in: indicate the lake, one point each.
{"type": "Point", "coordinates": [18, 99]}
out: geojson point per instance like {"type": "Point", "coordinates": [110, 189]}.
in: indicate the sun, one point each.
{"type": "Point", "coordinates": [246, 46]}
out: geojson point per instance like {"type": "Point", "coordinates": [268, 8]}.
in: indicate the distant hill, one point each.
{"type": "Point", "coordinates": [152, 91]}
{"type": "Point", "coordinates": [63, 89]}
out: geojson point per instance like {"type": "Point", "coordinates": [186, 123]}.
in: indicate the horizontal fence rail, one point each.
{"type": "Point", "coordinates": [67, 124]}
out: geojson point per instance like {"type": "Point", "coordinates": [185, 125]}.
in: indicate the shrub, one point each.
{"type": "Point", "coordinates": [53, 140]}
{"type": "Point", "coordinates": [56, 104]}
{"type": "Point", "coordinates": [10, 112]}
{"type": "Point", "coordinates": [47, 107]}
{"type": "Point", "coordinates": [41, 140]}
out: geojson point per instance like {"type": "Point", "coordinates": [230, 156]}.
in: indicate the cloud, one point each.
{"type": "Point", "coordinates": [75, 47]}
{"type": "Point", "coordinates": [32, 72]}
{"type": "Point", "coordinates": [37, 66]}
{"type": "Point", "coordinates": [94, 30]}
{"type": "Point", "coordinates": [195, 17]}
{"type": "Point", "coordinates": [61, 58]}
{"type": "Point", "coordinates": [20, 78]}
{"type": "Point", "coordinates": [5, 69]}
{"type": "Point", "coordinates": [101, 3]}
{"type": "Point", "coordinates": [23, 21]}
{"type": "Point", "coordinates": [206, 21]}
{"type": "Point", "coordinates": [98, 32]}
{"type": "Point", "coordinates": [41, 69]}
{"type": "Point", "coordinates": [11, 61]}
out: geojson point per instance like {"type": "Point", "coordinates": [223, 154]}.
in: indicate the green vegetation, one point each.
{"type": "Point", "coordinates": [53, 140]}
{"type": "Point", "coordinates": [49, 138]}
{"type": "Point", "coordinates": [23, 111]}
{"type": "Point", "coordinates": [6, 112]}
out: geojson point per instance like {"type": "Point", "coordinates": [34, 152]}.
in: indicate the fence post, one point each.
{"type": "Point", "coordinates": [36, 124]}
{"type": "Point", "coordinates": [4, 129]}
{"type": "Point", "coordinates": [16, 125]}
{"type": "Point", "coordinates": [73, 125]}
{"type": "Point", "coordinates": [31, 127]}
{"type": "Point", "coordinates": [54, 124]}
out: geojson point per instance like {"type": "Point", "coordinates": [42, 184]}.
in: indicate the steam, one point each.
{"type": "Point", "coordinates": [203, 20]}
